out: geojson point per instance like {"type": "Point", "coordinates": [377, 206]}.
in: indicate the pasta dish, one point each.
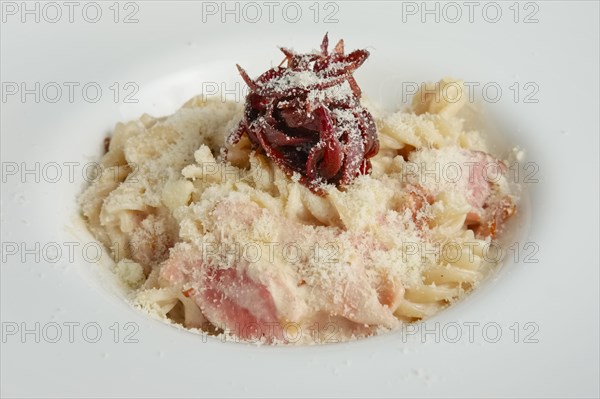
{"type": "Point", "coordinates": [306, 214]}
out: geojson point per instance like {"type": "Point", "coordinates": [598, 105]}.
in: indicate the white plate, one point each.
{"type": "Point", "coordinates": [167, 54]}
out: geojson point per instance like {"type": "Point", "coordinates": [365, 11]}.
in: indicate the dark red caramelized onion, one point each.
{"type": "Point", "coordinates": [306, 117]}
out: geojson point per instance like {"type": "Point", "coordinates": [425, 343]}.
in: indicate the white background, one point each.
{"type": "Point", "coordinates": [168, 53]}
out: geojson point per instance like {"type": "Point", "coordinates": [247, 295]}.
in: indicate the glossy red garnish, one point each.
{"type": "Point", "coordinates": [189, 292]}
{"type": "Point", "coordinates": [306, 116]}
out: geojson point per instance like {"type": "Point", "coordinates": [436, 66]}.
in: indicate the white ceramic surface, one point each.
{"type": "Point", "coordinates": [168, 53]}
